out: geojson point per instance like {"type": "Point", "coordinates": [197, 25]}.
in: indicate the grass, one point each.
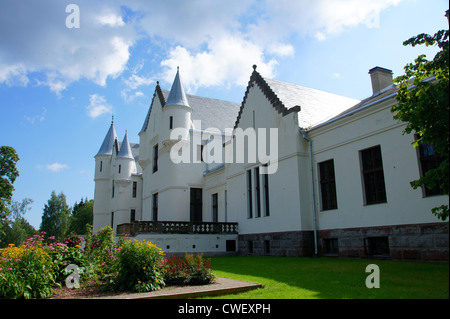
{"type": "Point", "coordinates": [333, 278]}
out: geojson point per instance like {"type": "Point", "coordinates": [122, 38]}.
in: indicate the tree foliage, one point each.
{"type": "Point", "coordinates": [55, 218]}
{"type": "Point", "coordinates": [82, 214]}
{"type": "Point", "coordinates": [16, 228]}
{"type": "Point", "coordinates": [423, 103]}
{"type": "Point", "coordinates": [8, 174]}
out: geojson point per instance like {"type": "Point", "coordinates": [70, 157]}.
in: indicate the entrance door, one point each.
{"type": "Point", "coordinates": [196, 204]}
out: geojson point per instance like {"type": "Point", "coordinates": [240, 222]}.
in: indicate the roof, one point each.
{"type": "Point", "coordinates": [108, 142]}
{"type": "Point", "coordinates": [125, 149]}
{"type": "Point", "coordinates": [212, 113]}
{"type": "Point", "coordinates": [315, 106]}
{"type": "Point", "coordinates": [177, 95]}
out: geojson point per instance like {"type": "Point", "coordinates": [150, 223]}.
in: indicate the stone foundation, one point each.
{"type": "Point", "coordinates": [421, 242]}
{"type": "Point", "coordinates": [286, 244]}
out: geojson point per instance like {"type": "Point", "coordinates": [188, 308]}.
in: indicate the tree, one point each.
{"type": "Point", "coordinates": [16, 228]}
{"type": "Point", "coordinates": [8, 174]}
{"type": "Point", "coordinates": [82, 214]}
{"type": "Point", "coordinates": [55, 218]}
{"type": "Point", "coordinates": [423, 103]}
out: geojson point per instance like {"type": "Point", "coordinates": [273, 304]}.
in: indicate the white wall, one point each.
{"type": "Point", "coordinates": [342, 141]}
{"type": "Point", "coordinates": [284, 185]}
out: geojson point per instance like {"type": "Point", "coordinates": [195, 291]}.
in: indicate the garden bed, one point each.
{"type": "Point", "coordinates": [40, 266]}
{"type": "Point", "coordinates": [221, 286]}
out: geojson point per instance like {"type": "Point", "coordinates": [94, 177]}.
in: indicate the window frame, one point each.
{"type": "Point", "coordinates": [155, 158]}
{"type": "Point", "coordinates": [328, 191]}
{"type": "Point", "coordinates": [372, 174]}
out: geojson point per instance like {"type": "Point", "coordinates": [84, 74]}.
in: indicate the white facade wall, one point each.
{"type": "Point", "coordinates": [284, 185]}
{"type": "Point", "coordinates": [375, 126]}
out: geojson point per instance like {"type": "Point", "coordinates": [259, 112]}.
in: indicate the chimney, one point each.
{"type": "Point", "coordinates": [381, 78]}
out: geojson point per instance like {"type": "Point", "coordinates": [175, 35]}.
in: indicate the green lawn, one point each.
{"type": "Point", "coordinates": [333, 278]}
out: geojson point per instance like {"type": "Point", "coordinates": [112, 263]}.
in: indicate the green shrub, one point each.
{"type": "Point", "coordinates": [188, 271]}
{"type": "Point", "coordinates": [139, 266]}
{"type": "Point", "coordinates": [26, 272]}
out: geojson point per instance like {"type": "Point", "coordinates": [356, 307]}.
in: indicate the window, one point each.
{"type": "Point", "coordinates": [327, 185]}
{"type": "Point", "coordinates": [250, 246]}
{"type": "Point", "coordinates": [134, 189]}
{"type": "Point", "coordinates": [120, 168]}
{"type": "Point", "coordinates": [330, 246]}
{"type": "Point", "coordinates": [101, 166]}
{"type": "Point", "coordinates": [196, 203]}
{"type": "Point", "coordinates": [171, 122]}
{"type": "Point", "coordinates": [249, 194]}
{"type": "Point", "coordinates": [200, 153]}
{"type": "Point", "coordinates": [267, 247]}
{"type": "Point", "coordinates": [113, 189]}
{"type": "Point", "coordinates": [230, 245]}
{"type": "Point", "coordinates": [132, 215]}
{"type": "Point", "coordinates": [266, 193]}
{"type": "Point", "coordinates": [373, 177]}
{"type": "Point", "coordinates": [429, 160]}
{"type": "Point", "coordinates": [254, 120]}
{"type": "Point", "coordinates": [257, 192]}
{"type": "Point", "coordinates": [155, 206]}
{"type": "Point", "coordinates": [376, 246]}
{"type": "Point", "coordinates": [214, 204]}
{"type": "Point", "coordinates": [155, 158]}
{"type": "Point", "coordinates": [226, 206]}
{"type": "Point", "coordinates": [112, 220]}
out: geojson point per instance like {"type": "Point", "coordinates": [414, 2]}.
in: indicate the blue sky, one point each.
{"type": "Point", "coordinates": [59, 86]}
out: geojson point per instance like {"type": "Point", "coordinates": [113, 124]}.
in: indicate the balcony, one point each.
{"type": "Point", "coordinates": [176, 227]}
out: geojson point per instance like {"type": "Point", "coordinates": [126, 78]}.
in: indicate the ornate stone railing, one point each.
{"type": "Point", "coordinates": [176, 227]}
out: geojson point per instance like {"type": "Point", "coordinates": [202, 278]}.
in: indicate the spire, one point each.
{"type": "Point", "coordinates": [177, 95]}
{"type": "Point", "coordinates": [108, 142]}
{"type": "Point", "coordinates": [125, 148]}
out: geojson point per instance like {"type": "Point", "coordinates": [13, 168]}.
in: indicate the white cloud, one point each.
{"type": "Point", "coordinates": [228, 61]}
{"type": "Point", "coordinates": [98, 106]}
{"type": "Point", "coordinates": [214, 42]}
{"type": "Point", "coordinates": [39, 117]}
{"type": "Point", "coordinates": [56, 167]}
{"type": "Point", "coordinates": [13, 74]}
{"type": "Point", "coordinates": [320, 19]}
{"type": "Point", "coordinates": [133, 82]}
{"type": "Point", "coordinates": [110, 19]}
{"type": "Point", "coordinates": [39, 48]}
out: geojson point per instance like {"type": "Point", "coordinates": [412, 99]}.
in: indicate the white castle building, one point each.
{"type": "Point", "coordinates": [338, 185]}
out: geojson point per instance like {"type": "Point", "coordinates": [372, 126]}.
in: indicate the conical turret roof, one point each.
{"type": "Point", "coordinates": [108, 142]}
{"type": "Point", "coordinates": [177, 95]}
{"type": "Point", "coordinates": [125, 148]}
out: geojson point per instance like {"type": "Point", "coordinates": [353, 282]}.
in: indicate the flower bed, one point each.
{"type": "Point", "coordinates": [34, 269]}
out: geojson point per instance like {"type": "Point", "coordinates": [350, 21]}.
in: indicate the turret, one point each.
{"type": "Point", "coordinates": [176, 112]}
{"type": "Point", "coordinates": [102, 179]}
{"type": "Point", "coordinates": [125, 162]}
